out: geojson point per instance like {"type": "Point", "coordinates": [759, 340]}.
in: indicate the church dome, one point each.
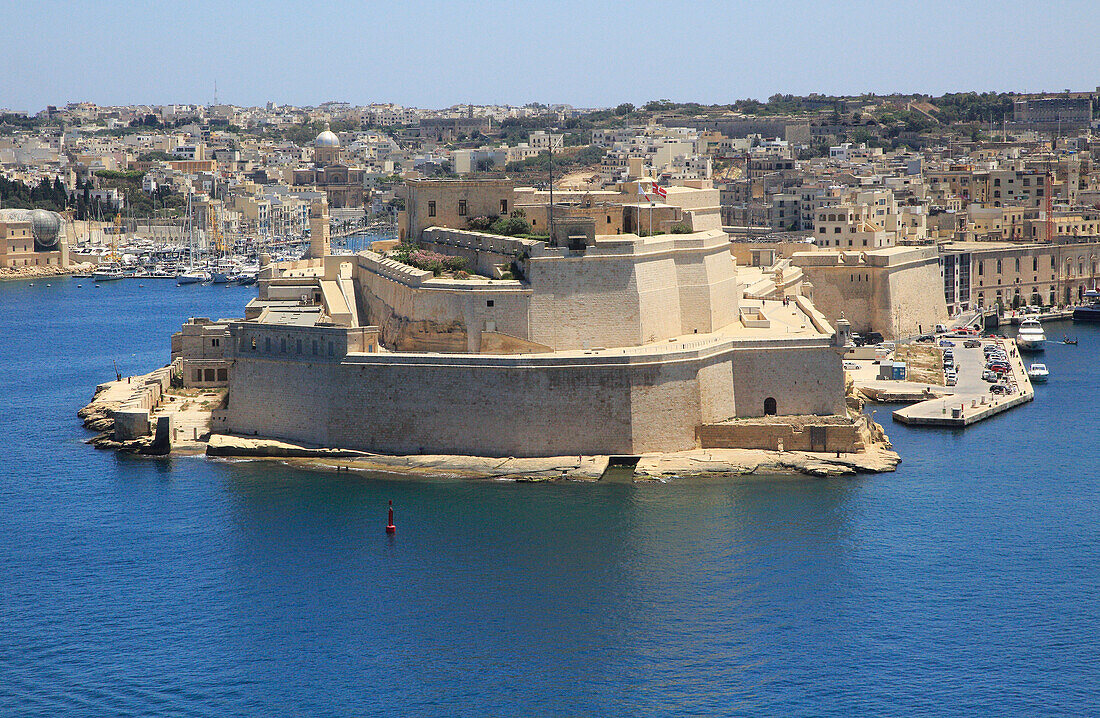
{"type": "Point", "coordinates": [327, 138]}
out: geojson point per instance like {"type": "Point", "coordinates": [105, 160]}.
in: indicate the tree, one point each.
{"type": "Point", "coordinates": [624, 109]}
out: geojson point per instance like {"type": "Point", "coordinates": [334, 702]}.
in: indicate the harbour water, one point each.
{"type": "Point", "coordinates": [966, 583]}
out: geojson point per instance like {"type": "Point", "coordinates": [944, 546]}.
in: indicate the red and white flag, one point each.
{"type": "Point", "coordinates": [657, 189]}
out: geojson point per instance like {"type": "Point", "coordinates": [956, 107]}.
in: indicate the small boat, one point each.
{"type": "Point", "coordinates": [107, 272]}
{"type": "Point", "coordinates": [1067, 340]}
{"type": "Point", "coordinates": [1038, 373]}
{"type": "Point", "coordinates": [192, 276]}
{"type": "Point", "coordinates": [1031, 337]}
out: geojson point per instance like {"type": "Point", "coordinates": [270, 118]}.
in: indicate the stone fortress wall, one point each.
{"type": "Point", "coordinates": [622, 291]}
{"type": "Point", "coordinates": [529, 405]}
{"type": "Point", "coordinates": [894, 291]}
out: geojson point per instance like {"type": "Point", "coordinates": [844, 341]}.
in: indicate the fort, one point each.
{"type": "Point", "coordinates": [575, 344]}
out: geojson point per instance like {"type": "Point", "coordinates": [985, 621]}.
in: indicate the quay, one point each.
{"type": "Point", "coordinates": [971, 401]}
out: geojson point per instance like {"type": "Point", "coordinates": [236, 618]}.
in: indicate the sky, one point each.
{"type": "Point", "coordinates": [428, 53]}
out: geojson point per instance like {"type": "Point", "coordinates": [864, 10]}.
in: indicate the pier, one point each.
{"type": "Point", "coordinates": [971, 401]}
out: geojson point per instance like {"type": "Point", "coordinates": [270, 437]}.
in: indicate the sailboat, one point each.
{"type": "Point", "coordinates": [192, 275]}
{"type": "Point", "coordinates": [111, 269]}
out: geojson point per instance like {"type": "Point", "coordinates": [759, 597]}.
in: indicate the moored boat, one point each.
{"type": "Point", "coordinates": [1038, 372]}
{"type": "Point", "coordinates": [108, 272]}
{"type": "Point", "coordinates": [1088, 312]}
{"type": "Point", "coordinates": [1031, 336]}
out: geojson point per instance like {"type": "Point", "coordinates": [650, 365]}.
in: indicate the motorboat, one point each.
{"type": "Point", "coordinates": [108, 272]}
{"type": "Point", "coordinates": [1038, 372]}
{"type": "Point", "coordinates": [1088, 312]}
{"type": "Point", "coordinates": [1031, 336]}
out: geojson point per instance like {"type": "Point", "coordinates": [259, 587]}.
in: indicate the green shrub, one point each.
{"type": "Point", "coordinates": [510, 226]}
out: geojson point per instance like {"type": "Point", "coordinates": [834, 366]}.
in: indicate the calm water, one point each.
{"type": "Point", "coordinates": [964, 584]}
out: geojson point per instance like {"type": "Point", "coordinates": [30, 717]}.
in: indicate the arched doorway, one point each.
{"type": "Point", "coordinates": [769, 407]}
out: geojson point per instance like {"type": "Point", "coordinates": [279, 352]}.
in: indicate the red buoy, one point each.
{"type": "Point", "coordinates": [390, 528]}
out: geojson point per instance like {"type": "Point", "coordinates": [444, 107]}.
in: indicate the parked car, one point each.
{"type": "Point", "coordinates": [926, 338]}
{"type": "Point", "coordinates": [873, 338]}
{"type": "Point", "coordinates": [1000, 389]}
{"type": "Point", "coordinates": [945, 343]}
{"type": "Point", "coordinates": [989, 375]}
{"type": "Point", "coordinates": [971, 344]}
{"type": "Point", "coordinates": [851, 365]}
{"type": "Point", "coordinates": [951, 380]}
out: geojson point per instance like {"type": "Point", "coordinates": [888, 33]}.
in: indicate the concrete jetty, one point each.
{"type": "Point", "coordinates": [971, 401]}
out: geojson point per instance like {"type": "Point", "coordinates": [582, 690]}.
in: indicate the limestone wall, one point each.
{"type": "Point", "coordinates": [759, 435]}
{"type": "Point", "coordinates": [596, 403]}
{"type": "Point", "coordinates": [416, 312]}
{"type": "Point", "coordinates": [889, 291]}
{"type": "Point", "coordinates": [802, 380]}
{"type": "Point", "coordinates": [622, 292]}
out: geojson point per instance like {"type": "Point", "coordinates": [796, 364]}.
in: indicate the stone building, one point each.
{"type": "Point", "coordinates": [451, 203]}
{"type": "Point", "coordinates": [32, 238]}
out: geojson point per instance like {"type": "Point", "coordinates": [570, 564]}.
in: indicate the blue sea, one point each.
{"type": "Point", "coordinates": [967, 583]}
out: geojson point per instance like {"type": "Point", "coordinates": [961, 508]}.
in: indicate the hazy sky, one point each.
{"type": "Point", "coordinates": [427, 53]}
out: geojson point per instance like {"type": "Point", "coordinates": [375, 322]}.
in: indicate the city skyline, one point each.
{"type": "Point", "coordinates": [426, 54]}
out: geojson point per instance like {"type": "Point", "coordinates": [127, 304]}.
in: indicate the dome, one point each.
{"type": "Point", "coordinates": [327, 139]}
{"type": "Point", "coordinates": [45, 226]}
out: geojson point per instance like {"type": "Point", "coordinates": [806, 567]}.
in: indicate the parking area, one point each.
{"type": "Point", "coordinates": [955, 386]}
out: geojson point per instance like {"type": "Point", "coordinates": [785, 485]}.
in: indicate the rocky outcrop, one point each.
{"type": "Point", "coordinates": [684, 464]}
{"type": "Point", "coordinates": [99, 414]}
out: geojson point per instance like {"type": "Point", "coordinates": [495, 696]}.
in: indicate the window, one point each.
{"type": "Point", "coordinates": [461, 208]}
{"type": "Point", "coordinates": [431, 208]}
{"type": "Point", "coordinates": [209, 375]}
{"type": "Point", "coordinates": [314, 347]}
{"type": "Point", "coordinates": [282, 345]}
{"type": "Point", "coordinates": [998, 266]}
{"type": "Point", "coordinates": [981, 268]}
{"type": "Point", "coordinates": [504, 207]}
{"type": "Point", "coordinates": [836, 230]}
{"type": "Point", "coordinates": [267, 344]}
{"type": "Point", "coordinates": [489, 302]}
{"type": "Point", "coordinates": [215, 342]}
{"type": "Point", "coordinates": [1035, 264]}
{"type": "Point", "coordinates": [1017, 264]}
{"type": "Point", "coordinates": [298, 346]}
{"type": "Point", "coordinates": [330, 349]}
{"type": "Point", "coordinates": [198, 375]}
{"type": "Point", "coordinates": [223, 375]}
{"type": "Point", "coordinates": [609, 219]}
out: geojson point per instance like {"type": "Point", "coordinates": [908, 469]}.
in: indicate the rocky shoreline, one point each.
{"type": "Point", "coordinates": [11, 274]}
{"type": "Point", "coordinates": [684, 464]}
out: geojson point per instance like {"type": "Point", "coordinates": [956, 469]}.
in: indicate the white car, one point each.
{"type": "Point", "coordinates": [851, 365]}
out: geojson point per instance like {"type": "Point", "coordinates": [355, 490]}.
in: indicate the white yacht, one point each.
{"type": "Point", "coordinates": [1031, 336]}
{"type": "Point", "coordinates": [108, 271]}
{"type": "Point", "coordinates": [192, 276]}
{"type": "Point", "coordinates": [1038, 372]}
